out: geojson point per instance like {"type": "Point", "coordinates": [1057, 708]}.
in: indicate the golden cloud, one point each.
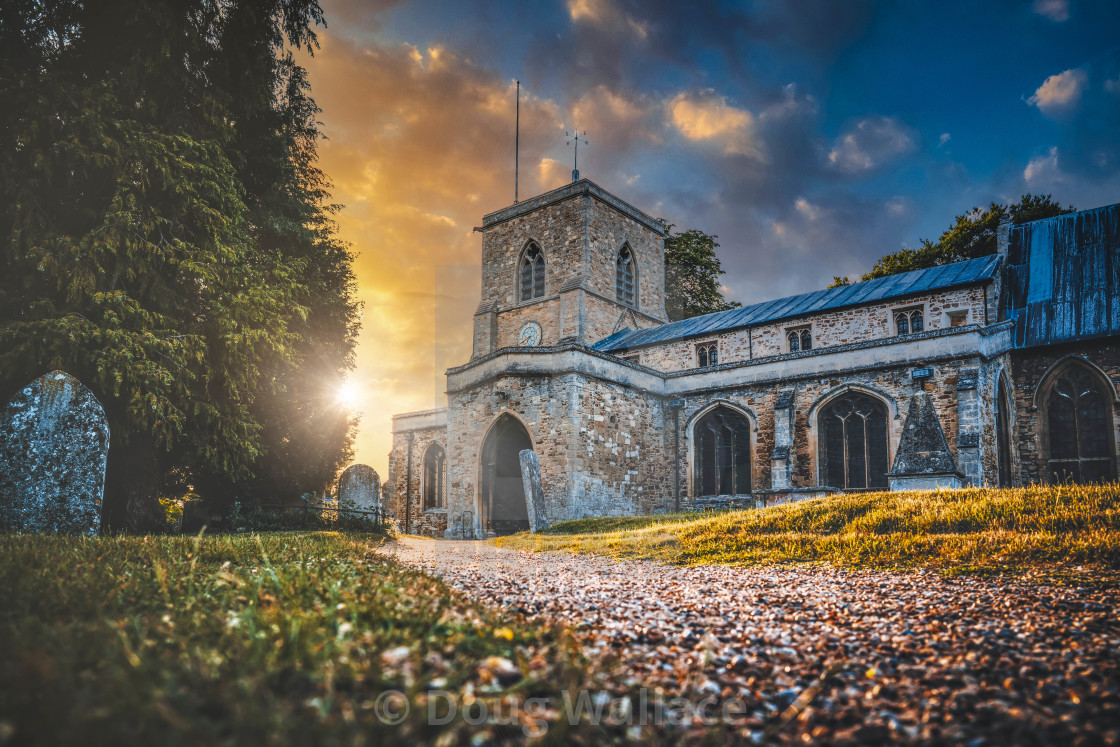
{"type": "Point", "coordinates": [420, 146]}
{"type": "Point", "coordinates": [1060, 93]}
{"type": "Point", "coordinates": [707, 117]}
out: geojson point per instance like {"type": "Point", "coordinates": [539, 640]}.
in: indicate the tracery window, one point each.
{"type": "Point", "coordinates": [1079, 420]}
{"type": "Point", "coordinates": [435, 477]}
{"type": "Point", "coordinates": [723, 453]}
{"type": "Point", "coordinates": [532, 273]}
{"type": "Point", "coordinates": [800, 339]}
{"type": "Point", "coordinates": [909, 321]}
{"type": "Point", "coordinates": [624, 276]}
{"type": "Point", "coordinates": [853, 442]}
{"type": "Point", "coordinates": [707, 354]}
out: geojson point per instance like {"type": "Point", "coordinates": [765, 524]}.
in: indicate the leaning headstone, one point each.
{"type": "Point", "coordinates": [534, 492]}
{"type": "Point", "coordinates": [359, 488]}
{"type": "Point", "coordinates": [923, 461]}
{"type": "Point", "coordinates": [54, 447]}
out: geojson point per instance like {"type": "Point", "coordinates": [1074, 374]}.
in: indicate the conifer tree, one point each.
{"type": "Point", "coordinates": [165, 235]}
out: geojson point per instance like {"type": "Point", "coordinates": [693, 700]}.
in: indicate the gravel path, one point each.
{"type": "Point", "coordinates": [878, 656]}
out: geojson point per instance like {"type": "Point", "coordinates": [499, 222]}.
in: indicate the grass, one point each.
{"type": "Point", "coordinates": [1031, 530]}
{"type": "Point", "coordinates": [244, 639]}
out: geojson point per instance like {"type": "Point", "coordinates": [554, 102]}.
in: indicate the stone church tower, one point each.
{"type": "Point", "coordinates": [555, 270]}
{"type": "Point", "coordinates": [999, 370]}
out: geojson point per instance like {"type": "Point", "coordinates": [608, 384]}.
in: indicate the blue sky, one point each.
{"type": "Point", "coordinates": [812, 137]}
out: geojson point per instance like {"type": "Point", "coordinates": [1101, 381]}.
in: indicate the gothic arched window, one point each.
{"type": "Point", "coordinates": [624, 276]}
{"type": "Point", "coordinates": [435, 477]}
{"type": "Point", "coordinates": [853, 442]}
{"type": "Point", "coordinates": [1079, 423]}
{"type": "Point", "coordinates": [909, 320]}
{"type": "Point", "coordinates": [532, 273]}
{"type": "Point", "coordinates": [800, 339]}
{"type": "Point", "coordinates": [707, 354]}
{"type": "Point", "coordinates": [723, 453]}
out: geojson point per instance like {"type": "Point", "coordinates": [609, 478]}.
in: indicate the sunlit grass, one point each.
{"type": "Point", "coordinates": [978, 530]}
{"type": "Point", "coordinates": [244, 639]}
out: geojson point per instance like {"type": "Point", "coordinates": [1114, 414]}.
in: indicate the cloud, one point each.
{"type": "Point", "coordinates": [414, 181]}
{"type": "Point", "coordinates": [1060, 93]}
{"type": "Point", "coordinates": [605, 14]}
{"type": "Point", "coordinates": [705, 116]}
{"type": "Point", "coordinates": [870, 144]}
{"type": "Point", "coordinates": [945, 137]}
{"type": "Point", "coordinates": [616, 120]}
{"type": "Point", "coordinates": [810, 211]}
{"type": "Point", "coordinates": [1056, 10]}
{"type": "Point", "coordinates": [1112, 86]}
{"type": "Point", "coordinates": [1044, 171]}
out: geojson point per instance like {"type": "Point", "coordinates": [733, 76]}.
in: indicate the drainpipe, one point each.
{"type": "Point", "coordinates": [408, 485]}
{"type": "Point", "coordinates": [676, 406]}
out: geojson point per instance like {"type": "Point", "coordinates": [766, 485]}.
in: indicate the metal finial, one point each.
{"type": "Point", "coordinates": [575, 138]}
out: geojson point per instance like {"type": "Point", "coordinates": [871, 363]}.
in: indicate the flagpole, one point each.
{"type": "Point", "coordinates": [517, 142]}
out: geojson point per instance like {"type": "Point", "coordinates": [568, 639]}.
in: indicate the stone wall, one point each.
{"type": "Point", "coordinates": [601, 445]}
{"type": "Point", "coordinates": [1027, 369]}
{"type": "Point", "coordinates": [804, 397]}
{"type": "Point", "coordinates": [580, 235]}
{"type": "Point", "coordinates": [608, 231]}
{"type": "Point", "coordinates": [398, 496]}
{"type": "Point", "coordinates": [829, 329]}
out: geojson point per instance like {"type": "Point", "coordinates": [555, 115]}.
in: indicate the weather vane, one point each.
{"type": "Point", "coordinates": [575, 138]}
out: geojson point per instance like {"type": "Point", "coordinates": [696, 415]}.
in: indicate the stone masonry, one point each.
{"type": "Point", "coordinates": [601, 424]}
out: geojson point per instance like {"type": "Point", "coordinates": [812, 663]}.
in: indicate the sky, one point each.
{"type": "Point", "coordinates": [810, 136]}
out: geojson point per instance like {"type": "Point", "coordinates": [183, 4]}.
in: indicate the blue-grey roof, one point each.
{"type": "Point", "coordinates": [894, 286]}
{"type": "Point", "coordinates": [1063, 278]}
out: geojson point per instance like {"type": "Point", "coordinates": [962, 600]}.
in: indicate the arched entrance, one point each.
{"type": "Point", "coordinates": [503, 509]}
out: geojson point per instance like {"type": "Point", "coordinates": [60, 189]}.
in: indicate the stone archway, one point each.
{"type": "Point", "coordinates": [502, 508]}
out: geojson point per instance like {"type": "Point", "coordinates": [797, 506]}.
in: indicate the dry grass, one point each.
{"type": "Point", "coordinates": [1021, 531]}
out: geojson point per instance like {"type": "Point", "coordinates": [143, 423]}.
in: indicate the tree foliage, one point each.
{"type": "Point", "coordinates": [167, 238]}
{"type": "Point", "coordinates": [971, 235]}
{"type": "Point", "coordinates": [692, 272]}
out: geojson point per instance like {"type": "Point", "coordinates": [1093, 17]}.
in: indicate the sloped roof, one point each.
{"type": "Point", "coordinates": [1063, 277]}
{"type": "Point", "coordinates": [894, 286]}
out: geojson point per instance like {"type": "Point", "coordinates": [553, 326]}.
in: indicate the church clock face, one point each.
{"type": "Point", "coordinates": [530, 335]}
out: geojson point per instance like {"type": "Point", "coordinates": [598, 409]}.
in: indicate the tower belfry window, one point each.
{"type": "Point", "coordinates": [532, 274]}
{"type": "Point", "coordinates": [624, 276]}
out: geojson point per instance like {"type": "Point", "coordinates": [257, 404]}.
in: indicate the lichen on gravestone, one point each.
{"type": "Point", "coordinates": [360, 488]}
{"type": "Point", "coordinates": [54, 448]}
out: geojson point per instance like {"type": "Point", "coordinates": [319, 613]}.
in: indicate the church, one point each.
{"type": "Point", "coordinates": [996, 371]}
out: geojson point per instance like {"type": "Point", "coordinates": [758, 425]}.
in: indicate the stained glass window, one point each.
{"type": "Point", "coordinates": [723, 453]}
{"type": "Point", "coordinates": [1079, 416]}
{"type": "Point", "coordinates": [853, 442]}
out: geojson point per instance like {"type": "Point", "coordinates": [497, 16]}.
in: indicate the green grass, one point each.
{"type": "Point", "coordinates": [1021, 531]}
{"type": "Point", "coordinates": [246, 639]}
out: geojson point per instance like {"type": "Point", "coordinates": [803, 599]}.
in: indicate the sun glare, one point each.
{"type": "Point", "coordinates": [349, 395]}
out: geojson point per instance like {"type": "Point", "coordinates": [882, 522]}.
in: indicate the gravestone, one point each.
{"type": "Point", "coordinates": [359, 488]}
{"type": "Point", "coordinates": [923, 461]}
{"type": "Point", "coordinates": [534, 491]}
{"type": "Point", "coordinates": [54, 447]}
